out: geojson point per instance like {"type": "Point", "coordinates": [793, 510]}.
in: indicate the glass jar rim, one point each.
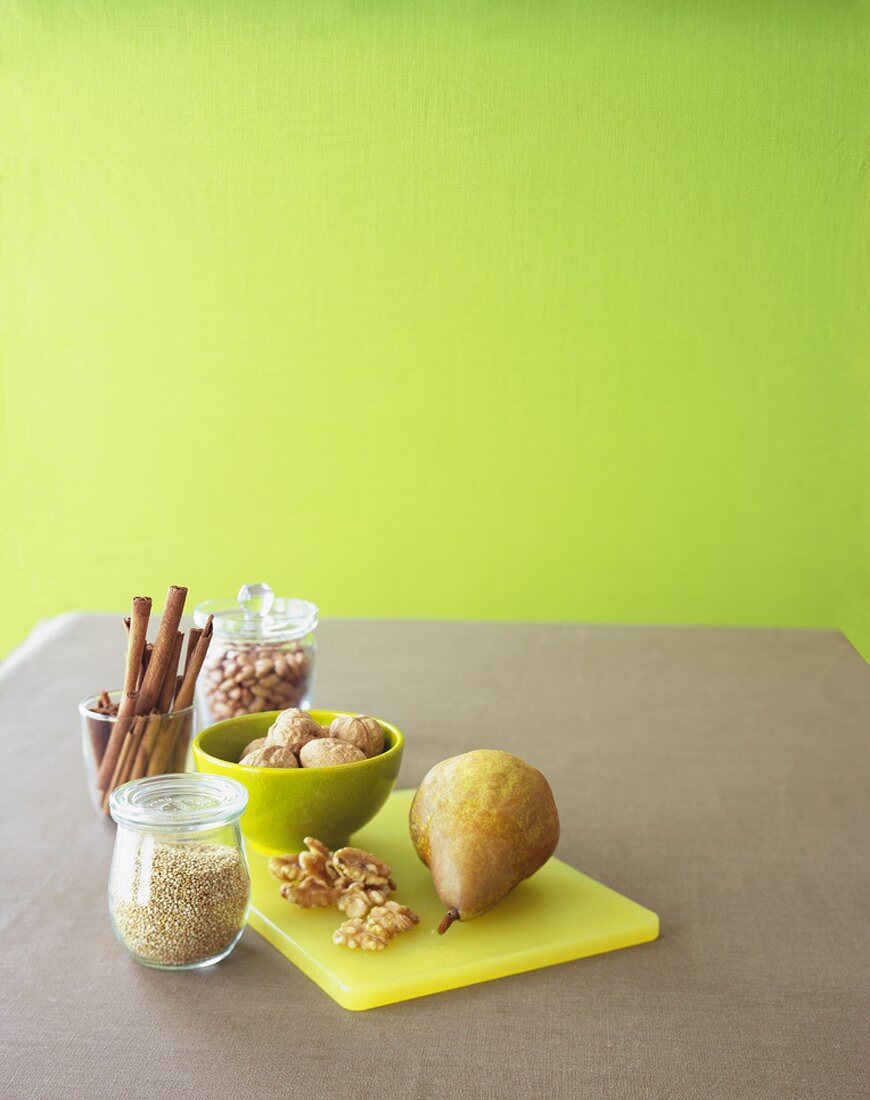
{"type": "Point", "coordinates": [287, 619]}
{"type": "Point", "coordinates": [86, 707]}
{"type": "Point", "coordinates": [188, 800]}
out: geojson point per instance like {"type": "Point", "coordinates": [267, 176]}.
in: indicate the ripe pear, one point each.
{"type": "Point", "coordinates": [482, 822]}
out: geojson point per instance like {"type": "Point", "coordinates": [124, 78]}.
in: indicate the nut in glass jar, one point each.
{"type": "Point", "coordinates": [261, 657]}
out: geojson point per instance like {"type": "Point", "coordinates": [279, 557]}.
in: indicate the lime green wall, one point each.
{"type": "Point", "coordinates": [854, 609]}
{"type": "Point", "coordinates": [511, 310]}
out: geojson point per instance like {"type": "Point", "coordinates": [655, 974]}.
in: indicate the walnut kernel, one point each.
{"type": "Point", "coordinates": [356, 899]}
{"type": "Point", "coordinates": [353, 934]}
{"type": "Point", "coordinates": [353, 880]}
{"type": "Point", "coordinates": [360, 866]}
{"type": "Point", "coordinates": [309, 879]}
{"type": "Point", "coordinates": [375, 932]}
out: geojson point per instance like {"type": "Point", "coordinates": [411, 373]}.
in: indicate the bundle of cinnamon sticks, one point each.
{"type": "Point", "coordinates": [149, 733]}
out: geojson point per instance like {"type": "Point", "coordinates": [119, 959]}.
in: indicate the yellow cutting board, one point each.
{"type": "Point", "coordinates": [557, 915]}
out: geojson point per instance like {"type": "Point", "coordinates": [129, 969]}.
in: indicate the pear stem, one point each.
{"type": "Point", "coordinates": [449, 917]}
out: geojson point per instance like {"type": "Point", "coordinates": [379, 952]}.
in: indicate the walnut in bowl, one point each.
{"type": "Point", "coordinates": [286, 804]}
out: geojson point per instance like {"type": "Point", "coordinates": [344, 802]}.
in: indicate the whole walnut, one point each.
{"type": "Point", "coordinates": [359, 730]}
{"type": "Point", "coordinates": [293, 728]}
{"type": "Point", "coordinates": [270, 756]}
{"type": "Point", "coordinates": [252, 746]}
{"type": "Point", "coordinates": [326, 752]}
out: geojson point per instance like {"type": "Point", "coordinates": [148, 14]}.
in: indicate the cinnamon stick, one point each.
{"type": "Point", "coordinates": [136, 640]}
{"type": "Point", "coordinates": [146, 657]}
{"type": "Point", "coordinates": [151, 725]}
{"type": "Point", "coordinates": [148, 735]}
{"type": "Point", "coordinates": [163, 647]}
{"type": "Point", "coordinates": [193, 636]}
{"type": "Point", "coordinates": [167, 690]}
{"type": "Point", "coordinates": [121, 768]}
{"type": "Point", "coordinates": [98, 732]}
{"type": "Point", "coordinates": [160, 726]}
{"type": "Point", "coordinates": [100, 728]}
{"type": "Point", "coordinates": [125, 771]}
{"type": "Point", "coordinates": [161, 756]}
{"type": "Point", "coordinates": [139, 616]}
{"type": "Point", "coordinates": [126, 714]}
{"type": "Point", "coordinates": [184, 697]}
{"type": "Point", "coordinates": [179, 753]}
{"type": "Point", "coordinates": [162, 749]}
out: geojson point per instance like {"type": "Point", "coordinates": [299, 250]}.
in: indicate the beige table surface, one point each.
{"type": "Point", "coordinates": [718, 776]}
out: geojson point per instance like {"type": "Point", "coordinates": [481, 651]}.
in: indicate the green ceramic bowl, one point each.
{"type": "Point", "coordinates": [287, 804]}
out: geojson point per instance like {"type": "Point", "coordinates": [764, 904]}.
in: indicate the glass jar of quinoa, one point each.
{"type": "Point", "coordinates": [179, 886]}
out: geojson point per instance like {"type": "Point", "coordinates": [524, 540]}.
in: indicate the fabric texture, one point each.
{"type": "Point", "coordinates": [719, 777]}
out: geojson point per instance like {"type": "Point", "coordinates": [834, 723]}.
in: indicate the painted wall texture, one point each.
{"type": "Point", "coordinates": [479, 310]}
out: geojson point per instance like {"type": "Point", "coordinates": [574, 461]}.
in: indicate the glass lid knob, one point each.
{"type": "Point", "coordinates": [256, 600]}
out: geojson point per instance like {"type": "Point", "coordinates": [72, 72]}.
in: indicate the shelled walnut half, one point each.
{"type": "Point", "coordinates": [375, 932]}
{"type": "Point", "coordinates": [355, 882]}
{"type": "Point", "coordinates": [309, 878]}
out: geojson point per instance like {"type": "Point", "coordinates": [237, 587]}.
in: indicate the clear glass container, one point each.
{"type": "Point", "coordinates": [261, 656]}
{"type": "Point", "coordinates": [161, 742]}
{"type": "Point", "coordinates": [179, 887]}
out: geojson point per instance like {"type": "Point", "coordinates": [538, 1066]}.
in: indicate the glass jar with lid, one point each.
{"type": "Point", "coordinates": [261, 656]}
{"type": "Point", "coordinates": [179, 887]}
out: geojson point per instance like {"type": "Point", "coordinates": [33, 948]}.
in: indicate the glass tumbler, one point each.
{"type": "Point", "coordinates": [178, 886]}
{"type": "Point", "coordinates": [155, 744]}
{"type": "Point", "coordinates": [261, 656]}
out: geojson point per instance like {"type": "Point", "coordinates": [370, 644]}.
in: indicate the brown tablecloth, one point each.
{"type": "Point", "coordinates": [719, 777]}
